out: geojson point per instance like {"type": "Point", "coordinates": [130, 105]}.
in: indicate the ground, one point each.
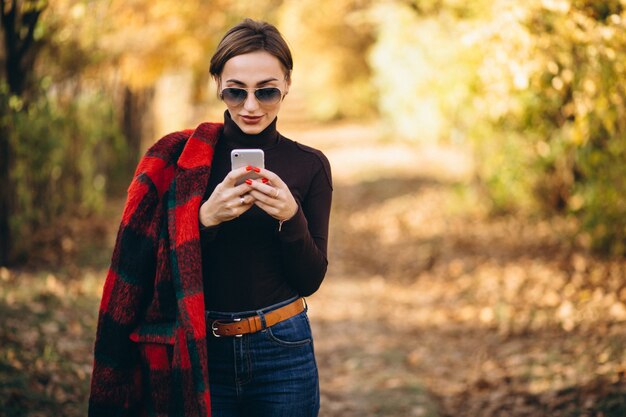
{"type": "Point", "coordinates": [431, 306]}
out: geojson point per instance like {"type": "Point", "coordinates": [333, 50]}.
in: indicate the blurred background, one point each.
{"type": "Point", "coordinates": [478, 231]}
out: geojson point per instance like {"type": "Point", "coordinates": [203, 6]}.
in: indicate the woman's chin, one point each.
{"type": "Point", "coordinates": [250, 130]}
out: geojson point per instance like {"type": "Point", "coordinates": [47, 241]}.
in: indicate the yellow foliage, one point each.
{"type": "Point", "coordinates": [330, 39]}
{"type": "Point", "coordinates": [139, 40]}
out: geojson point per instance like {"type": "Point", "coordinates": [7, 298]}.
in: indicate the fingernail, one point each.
{"type": "Point", "coordinates": [257, 169]}
{"type": "Point", "coordinates": [249, 181]}
{"type": "Point", "coordinates": [249, 168]}
{"type": "Point", "coordinates": [264, 180]}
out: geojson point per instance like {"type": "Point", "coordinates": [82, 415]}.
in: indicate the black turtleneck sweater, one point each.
{"type": "Point", "coordinates": [247, 262]}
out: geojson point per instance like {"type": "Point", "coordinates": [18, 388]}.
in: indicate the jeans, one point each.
{"type": "Point", "coordinates": [270, 373]}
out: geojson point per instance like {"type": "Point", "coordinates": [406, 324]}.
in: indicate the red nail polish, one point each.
{"type": "Point", "coordinates": [264, 180]}
{"type": "Point", "coordinates": [249, 168]}
{"type": "Point", "coordinates": [257, 169]}
{"type": "Point", "coordinates": [249, 181]}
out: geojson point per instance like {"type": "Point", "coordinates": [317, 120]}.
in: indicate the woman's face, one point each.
{"type": "Point", "coordinates": [253, 70]}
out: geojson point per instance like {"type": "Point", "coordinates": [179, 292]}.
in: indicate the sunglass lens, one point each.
{"type": "Point", "coordinates": [234, 96]}
{"type": "Point", "coordinates": [269, 95]}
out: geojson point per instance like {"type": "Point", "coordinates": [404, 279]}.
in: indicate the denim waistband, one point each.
{"type": "Point", "coordinates": [217, 315]}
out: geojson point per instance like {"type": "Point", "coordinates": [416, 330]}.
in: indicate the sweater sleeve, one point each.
{"type": "Point", "coordinates": [304, 237]}
{"type": "Point", "coordinates": [115, 380]}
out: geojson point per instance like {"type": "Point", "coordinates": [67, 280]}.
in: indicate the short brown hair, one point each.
{"type": "Point", "coordinates": [251, 36]}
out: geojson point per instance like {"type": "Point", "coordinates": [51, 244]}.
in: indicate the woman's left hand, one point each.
{"type": "Point", "coordinates": [272, 196]}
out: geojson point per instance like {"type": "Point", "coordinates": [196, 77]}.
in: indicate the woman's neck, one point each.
{"type": "Point", "coordinates": [236, 138]}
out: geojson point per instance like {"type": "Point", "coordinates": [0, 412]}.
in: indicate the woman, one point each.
{"type": "Point", "coordinates": [202, 310]}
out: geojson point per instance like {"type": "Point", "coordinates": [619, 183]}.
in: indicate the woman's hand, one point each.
{"type": "Point", "coordinates": [227, 201]}
{"type": "Point", "coordinates": [272, 196]}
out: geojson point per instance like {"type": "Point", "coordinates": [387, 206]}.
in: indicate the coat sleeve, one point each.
{"type": "Point", "coordinates": [115, 382]}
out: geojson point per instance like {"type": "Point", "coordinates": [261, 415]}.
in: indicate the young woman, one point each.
{"type": "Point", "coordinates": [202, 310]}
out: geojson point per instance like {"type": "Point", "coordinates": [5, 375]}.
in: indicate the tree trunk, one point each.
{"type": "Point", "coordinates": [138, 121]}
{"type": "Point", "coordinates": [6, 194]}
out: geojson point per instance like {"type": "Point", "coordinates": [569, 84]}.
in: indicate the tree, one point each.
{"type": "Point", "coordinates": [18, 29]}
{"type": "Point", "coordinates": [18, 23]}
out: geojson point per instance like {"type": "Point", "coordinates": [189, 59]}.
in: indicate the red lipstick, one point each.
{"type": "Point", "coordinates": [251, 120]}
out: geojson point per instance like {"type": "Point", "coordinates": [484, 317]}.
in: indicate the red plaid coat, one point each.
{"type": "Point", "coordinates": [150, 351]}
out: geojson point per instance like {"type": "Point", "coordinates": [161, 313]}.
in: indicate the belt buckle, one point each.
{"type": "Point", "coordinates": [216, 323]}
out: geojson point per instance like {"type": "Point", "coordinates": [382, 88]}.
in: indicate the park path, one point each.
{"type": "Point", "coordinates": [359, 315]}
{"type": "Point", "coordinates": [433, 307]}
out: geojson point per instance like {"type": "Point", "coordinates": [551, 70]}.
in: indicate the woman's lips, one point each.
{"type": "Point", "coordinates": [251, 120]}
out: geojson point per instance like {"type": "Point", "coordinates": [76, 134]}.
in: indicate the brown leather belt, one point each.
{"type": "Point", "coordinates": [253, 324]}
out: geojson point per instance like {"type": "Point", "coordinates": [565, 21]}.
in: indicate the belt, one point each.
{"type": "Point", "coordinates": [239, 327]}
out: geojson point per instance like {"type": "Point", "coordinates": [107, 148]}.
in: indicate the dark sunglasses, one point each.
{"type": "Point", "coordinates": [235, 96]}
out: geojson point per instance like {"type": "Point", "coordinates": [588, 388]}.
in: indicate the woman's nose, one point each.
{"type": "Point", "coordinates": [251, 102]}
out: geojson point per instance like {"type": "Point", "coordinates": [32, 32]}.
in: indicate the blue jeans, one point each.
{"type": "Point", "coordinates": [270, 373]}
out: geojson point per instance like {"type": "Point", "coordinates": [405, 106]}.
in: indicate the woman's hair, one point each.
{"type": "Point", "coordinates": [251, 36]}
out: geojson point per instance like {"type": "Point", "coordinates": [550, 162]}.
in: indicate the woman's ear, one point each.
{"type": "Point", "coordinates": [218, 83]}
{"type": "Point", "coordinates": [288, 81]}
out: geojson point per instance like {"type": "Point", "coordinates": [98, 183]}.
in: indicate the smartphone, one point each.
{"type": "Point", "coordinates": [244, 157]}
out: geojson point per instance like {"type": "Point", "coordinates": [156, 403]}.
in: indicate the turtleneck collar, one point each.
{"type": "Point", "coordinates": [235, 138]}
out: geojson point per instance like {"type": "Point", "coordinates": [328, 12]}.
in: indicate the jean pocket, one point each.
{"type": "Point", "coordinates": [293, 332]}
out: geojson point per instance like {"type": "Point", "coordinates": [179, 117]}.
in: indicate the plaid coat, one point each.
{"type": "Point", "coordinates": [150, 351]}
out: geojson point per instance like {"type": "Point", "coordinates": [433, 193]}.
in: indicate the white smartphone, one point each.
{"type": "Point", "coordinates": [244, 157]}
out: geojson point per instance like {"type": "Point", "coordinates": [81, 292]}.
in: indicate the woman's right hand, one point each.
{"type": "Point", "coordinates": [227, 201]}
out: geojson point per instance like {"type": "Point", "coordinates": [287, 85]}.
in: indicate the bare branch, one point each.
{"type": "Point", "coordinates": [8, 26]}
{"type": "Point", "coordinates": [32, 18]}
{"type": "Point", "coordinates": [4, 15]}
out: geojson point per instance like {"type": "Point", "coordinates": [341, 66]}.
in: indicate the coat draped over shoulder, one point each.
{"type": "Point", "coordinates": [150, 352]}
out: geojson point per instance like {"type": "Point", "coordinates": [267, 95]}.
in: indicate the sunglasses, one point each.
{"type": "Point", "coordinates": [235, 96]}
